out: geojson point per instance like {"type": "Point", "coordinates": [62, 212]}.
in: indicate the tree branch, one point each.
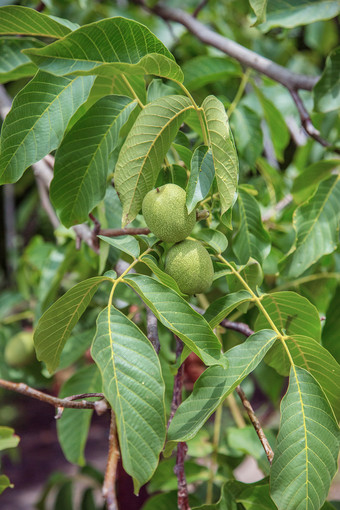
{"type": "Point", "coordinates": [152, 329]}
{"type": "Point", "coordinates": [115, 232]}
{"type": "Point", "coordinates": [109, 487]}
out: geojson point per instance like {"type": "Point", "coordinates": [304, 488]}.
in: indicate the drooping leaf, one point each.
{"type": "Point", "coordinates": [214, 238]}
{"type": "Point", "coordinates": [222, 307]}
{"type": "Point", "coordinates": [55, 326]}
{"type": "Point", "coordinates": [294, 13]}
{"type": "Point", "coordinates": [83, 159]}
{"type": "Point", "coordinates": [127, 244]}
{"type": "Point", "coordinates": [246, 126]}
{"type": "Point", "coordinates": [178, 316]}
{"type": "Point", "coordinates": [55, 101]}
{"type": "Point", "coordinates": [330, 332]}
{"type": "Point", "coordinates": [327, 91]}
{"type": "Point", "coordinates": [74, 424]}
{"type": "Point", "coordinates": [259, 7]}
{"type": "Point", "coordinates": [7, 438]}
{"type": "Point", "coordinates": [133, 384]}
{"type": "Point", "coordinates": [145, 147]}
{"type": "Point", "coordinates": [215, 384]}
{"type": "Point", "coordinates": [107, 46]}
{"type": "Point", "coordinates": [13, 63]}
{"type": "Point", "coordinates": [223, 150]}
{"type": "Point", "coordinates": [316, 223]}
{"type": "Point", "coordinates": [251, 240]}
{"type": "Point", "coordinates": [305, 457]}
{"type": "Point", "coordinates": [201, 70]}
{"type": "Point", "coordinates": [305, 184]}
{"type": "Point", "coordinates": [19, 20]}
{"type": "Point", "coordinates": [202, 174]}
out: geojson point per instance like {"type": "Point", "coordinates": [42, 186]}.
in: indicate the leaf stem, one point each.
{"type": "Point", "coordinates": [132, 91]}
{"type": "Point", "coordinates": [239, 92]}
{"type": "Point", "coordinates": [198, 110]}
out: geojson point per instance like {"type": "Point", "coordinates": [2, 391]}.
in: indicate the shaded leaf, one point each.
{"type": "Point", "coordinates": [305, 184]}
{"type": "Point", "coordinates": [144, 149]}
{"type": "Point", "coordinates": [305, 456]}
{"type": "Point", "coordinates": [75, 347]}
{"type": "Point", "coordinates": [13, 63]}
{"type": "Point", "coordinates": [330, 332]}
{"type": "Point", "coordinates": [127, 244]}
{"type": "Point", "coordinates": [16, 19]}
{"type": "Point", "coordinates": [55, 101]}
{"type": "Point", "coordinates": [327, 91]}
{"type": "Point", "coordinates": [83, 159]}
{"type": "Point", "coordinates": [163, 277]}
{"type": "Point", "coordinates": [74, 424]}
{"type": "Point", "coordinates": [133, 384]}
{"type": "Point", "coordinates": [202, 174]}
{"type": "Point", "coordinates": [222, 307]}
{"type": "Point", "coordinates": [204, 69]}
{"type": "Point", "coordinates": [246, 126]}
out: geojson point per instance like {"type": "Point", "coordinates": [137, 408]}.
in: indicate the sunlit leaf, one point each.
{"type": "Point", "coordinates": [259, 7]}
{"type": "Point", "coordinates": [127, 244]}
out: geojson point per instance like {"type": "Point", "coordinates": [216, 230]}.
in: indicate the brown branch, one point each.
{"type": "Point", "coordinates": [49, 399]}
{"type": "Point", "coordinates": [256, 424]}
{"type": "Point", "coordinates": [182, 494]}
{"type": "Point", "coordinates": [199, 8]}
{"type": "Point", "coordinates": [241, 327]}
{"type": "Point", "coordinates": [115, 232]}
{"type": "Point", "coordinates": [109, 487]}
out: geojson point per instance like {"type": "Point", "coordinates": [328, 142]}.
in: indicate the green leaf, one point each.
{"type": "Point", "coordinates": [133, 384]}
{"type": "Point", "coordinates": [214, 238]}
{"type": "Point", "coordinates": [55, 101]}
{"type": "Point", "coordinates": [251, 240]}
{"type": "Point", "coordinates": [200, 71]}
{"type": "Point", "coordinates": [222, 307]}
{"type": "Point", "coordinates": [4, 483]}
{"type": "Point", "coordinates": [259, 7]}
{"type": "Point", "coordinates": [163, 277]}
{"type": "Point", "coordinates": [246, 126]}
{"type": "Point", "coordinates": [74, 424]}
{"type": "Point", "coordinates": [18, 20]}
{"type": "Point", "coordinates": [75, 347]}
{"type": "Point", "coordinates": [127, 244]}
{"type": "Point", "coordinates": [223, 150]}
{"type": "Point", "coordinates": [330, 332]}
{"type": "Point", "coordinates": [7, 438]}
{"type": "Point", "coordinates": [215, 384]}
{"type": "Point", "coordinates": [13, 63]}
{"type": "Point", "coordinates": [202, 174]}
{"type": "Point", "coordinates": [305, 457]}
{"type": "Point", "coordinates": [55, 326]}
{"type": "Point", "coordinates": [305, 184]}
{"type": "Point", "coordinates": [107, 46]}
{"type": "Point", "coordinates": [226, 501]}
{"type": "Point", "coordinates": [327, 90]}
{"type": "Point", "coordinates": [316, 224]}
{"type": "Point", "coordinates": [294, 13]}
{"type": "Point", "coordinates": [252, 496]}
{"type": "Point", "coordinates": [178, 316]}
{"type": "Point", "coordinates": [83, 159]}
{"type": "Point", "coordinates": [145, 147]}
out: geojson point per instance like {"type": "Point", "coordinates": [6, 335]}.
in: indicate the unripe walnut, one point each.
{"type": "Point", "coordinates": [190, 266]}
{"type": "Point", "coordinates": [165, 213]}
{"type": "Point", "coordinates": [19, 350]}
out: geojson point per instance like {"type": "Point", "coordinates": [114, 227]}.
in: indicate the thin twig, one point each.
{"type": "Point", "coordinates": [109, 487]}
{"type": "Point", "coordinates": [95, 231]}
{"type": "Point", "coordinates": [241, 327]}
{"type": "Point", "coordinates": [115, 232]}
{"type": "Point", "coordinates": [199, 8]}
{"type": "Point", "coordinates": [256, 424]}
{"type": "Point", "coordinates": [60, 409]}
{"type": "Point", "coordinates": [152, 329]}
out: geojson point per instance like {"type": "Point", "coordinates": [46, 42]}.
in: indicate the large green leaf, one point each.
{"type": "Point", "coordinates": [316, 223]}
{"type": "Point", "coordinates": [83, 159]}
{"type": "Point", "coordinates": [28, 133]}
{"type": "Point", "coordinates": [55, 326]}
{"type": "Point", "coordinates": [327, 91]}
{"type": "Point", "coordinates": [305, 184]}
{"type": "Point", "coordinates": [18, 20]}
{"type": "Point", "coordinates": [223, 150]}
{"type": "Point", "coordinates": [107, 46]}
{"type": "Point", "coordinates": [251, 240]}
{"type": "Point", "coordinates": [74, 424]}
{"type": "Point", "coordinates": [305, 457]}
{"type": "Point", "coordinates": [13, 63]}
{"type": "Point", "coordinates": [145, 147]}
{"type": "Point", "coordinates": [133, 384]}
{"type": "Point", "coordinates": [202, 174]}
{"type": "Point", "coordinates": [178, 316]}
{"type": "Point", "coordinates": [219, 309]}
{"type": "Point", "coordinates": [215, 384]}
{"type": "Point", "coordinates": [330, 332]}
{"type": "Point", "coordinates": [200, 71]}
{"type": "Point", "coordinates": [293, 13]}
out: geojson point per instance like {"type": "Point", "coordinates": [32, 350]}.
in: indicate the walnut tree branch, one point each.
{"type": "Point", "coordinates": [109, 487]}
{"type": "Point", "coordinates": [115, 232]}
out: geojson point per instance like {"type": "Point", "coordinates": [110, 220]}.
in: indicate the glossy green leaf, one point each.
{"type": "Point", "coordinates": [107, 46]}
{"type": "Point", "coordinates": [7, 438]}
{"type": "Point", "coordinates": [163, 277]}
{"type": "Point", "coordinates": [55, 326]}
{"type": "Point", "coordinates": [204, 69]}
{"type": "Point", "coordinates": [327, 91]}
{"type": "Point", "coordinates": [13, 63]}
{"type": "Point", "coordinates": [330, 332]}
{"type": "Point", "coordinates": [18, 20]}
{"type": "Point", "coordinates": [178, 316]}
{"type": "Point", "coordinates": [145, 147]}
{"type": "Point", "coordinates": [83, 159]}
{"type": "Point", "coordinates": [133, 384]}
{"type": "Point", "coordinates": [305, 456]}
{"type": "Point", "coordinates": [259, 7]}
{"type": "Point", "coordinates": [127, 244]}
{"type": "Point", "coordinates": [215, 384]}
{"type": "Point", "coordinates": [316, 223]}
{"type": "Point", "coordinates": [202, 174]}
{"type": "Point", "coordinates": [222, 307]}
{"type": "Point", "coordinates": [4, 483]}
{"type": "Point", "coordinates": [223, 150]}
{"type": "Point", "coordinates": [74, 424]}
{"type": "Point", "coordinates": [246, 126]}
{"type": "Point", "coordinates": [251, 240]}
{"type": "Point", "coordinates": [214, 238]}
{"type": "Point", "coordinates": [55, 100]}
{"type": "Point", "coordinates": [294, 13]}
{"type": "Point", "coordinates": [305, 184]}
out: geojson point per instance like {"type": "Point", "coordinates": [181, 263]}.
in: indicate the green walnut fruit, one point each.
{"type": "Point", "coordinates": [190, 266]}
{"type": "Point", "coordinates": [19, 350]}
{"type": "Point", "coordinates": [166, 215]}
